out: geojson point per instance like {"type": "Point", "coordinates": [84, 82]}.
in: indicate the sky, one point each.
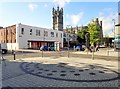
{"type": "Point", "coordinates": [75, 13]}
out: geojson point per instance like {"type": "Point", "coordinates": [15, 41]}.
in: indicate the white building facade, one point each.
{"type": "Point", "coordinates": [34, 37]}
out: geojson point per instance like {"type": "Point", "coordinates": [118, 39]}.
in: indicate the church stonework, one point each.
{"type": "Point", "coordinates": [57, 19]}
{"type": "Point", "coordinates": [101, 31]}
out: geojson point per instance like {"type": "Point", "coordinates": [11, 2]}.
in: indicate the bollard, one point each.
{"type": "Point", "coordinates": [74, 48]}
{"type": "Point", "coordinates": [14, 54]}
{"type": "Point", "coordinates": [68, 52]}
{"type": "Point", "coordinates": [42, 53]}
{"type": "Point", "coordinates": [108, 51]}
{"type": "Point", "coordinates": [93, 53]}
{"type": "Point", "coordinates": [87, 51]}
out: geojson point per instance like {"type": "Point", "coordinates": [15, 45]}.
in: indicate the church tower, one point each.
{"type": "Point", "coordinates": [57, 19]}
{"type": "Point", "coordinates": [101, 31]}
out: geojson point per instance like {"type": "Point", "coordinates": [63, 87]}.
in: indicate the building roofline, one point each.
{"type": "Point", "coordinates": [118, 24]}
{"type": "Point", "coordinates": [8, 26]}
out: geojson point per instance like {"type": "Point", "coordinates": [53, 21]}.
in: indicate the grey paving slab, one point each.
{"type": "Point", "coordinates": [47, 72]}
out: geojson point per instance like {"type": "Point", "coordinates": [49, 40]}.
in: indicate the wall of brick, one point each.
{"type": "Point", "coordinates": [8, 34]}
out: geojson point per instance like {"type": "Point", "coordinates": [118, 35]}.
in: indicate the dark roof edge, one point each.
{"type": "Point", "coordinates": [118, 24]}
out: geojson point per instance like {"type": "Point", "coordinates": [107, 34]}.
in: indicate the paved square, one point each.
{"type": "Point", "coordinates": [59, 72]}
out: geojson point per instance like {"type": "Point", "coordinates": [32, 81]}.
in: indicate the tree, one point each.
{"type": "Point", "coordinates": [87, 37]}
{"type": "Point", "coordinates": [81, 35]}
{"type": "Point", "coordinates": [94, 31]}
{"type": "Point", "coordinates": [106, 41]}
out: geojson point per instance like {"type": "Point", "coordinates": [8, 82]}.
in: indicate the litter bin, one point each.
{"type": "Point", "coordinates": [4, 51]}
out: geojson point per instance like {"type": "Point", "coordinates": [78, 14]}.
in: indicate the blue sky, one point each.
{"type": "Point", "coordinates": [75, 13]}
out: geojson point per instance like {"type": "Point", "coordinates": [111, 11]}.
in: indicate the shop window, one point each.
{"type": "Point", "coordinates": [61, 35]}
{"type": "Point", "coordinates": [52, 34]}
{"type": "Point", "coordinates": [56, 34]}
{"type": "Point", "coordinates": [22, 31]}
{"type": "Point", "coordinates": [37, 32]}
{"type": "Point", "coordinates": [30, 31]}
{"type": "Point", "coordinates": [46, 33]}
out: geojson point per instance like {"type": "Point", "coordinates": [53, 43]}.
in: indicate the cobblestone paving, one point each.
{"type": "Point", "coordinates": [60, 72]}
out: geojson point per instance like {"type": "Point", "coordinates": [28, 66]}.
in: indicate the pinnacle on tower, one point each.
{"type": "Point", "coordinates": [57, 19]}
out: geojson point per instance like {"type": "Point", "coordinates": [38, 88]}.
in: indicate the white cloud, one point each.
{"type": "Point", "coordinates": [45, 5]}
{"type": "Point", "coordinates": [76, 18]}
{"type": "Point", "coordinates": [61, 3]}
{"type": "Point", "coordinates": [32, 7]}
{"type": "Point", "coordinates": [108, 25]}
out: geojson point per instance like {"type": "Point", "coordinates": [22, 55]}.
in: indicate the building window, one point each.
{"type": "Point", "coordinates": [37, 32]}
{"type": "Point", "coordinates": [64, 34]}
{"type": "Point", "coordinates": [61, 35]}
{"type": "Point", "coordinates": [46, 33]}
{"type": "Point", "coordinates": [56, 34]}
{"type": "Point", "coordinates": [30, 31]}
{"type": "Point", "coordinates": [22, 31]}
{"type": "Point", "coordinates": [6, 32]}
{"type": "Point", "coordinates": [52, 34]}
{"type": "Point", "coordinates": [15, 40]}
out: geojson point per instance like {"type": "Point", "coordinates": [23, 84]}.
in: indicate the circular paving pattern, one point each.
{"type": "Point", "coordinates": [66, 72]}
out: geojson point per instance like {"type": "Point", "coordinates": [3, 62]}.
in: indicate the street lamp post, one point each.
{"type": "Point", "coordinates": [11, 40]}
{"type": "Point", "coordinates": [43, 40]}
{"type": "Point", "coordinates": [114, 32]}
{"type": "Point", "coordinates": [68, 39]}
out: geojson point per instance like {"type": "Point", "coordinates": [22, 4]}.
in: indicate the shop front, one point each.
{"type": "Point", "coordinates": [38, 44]}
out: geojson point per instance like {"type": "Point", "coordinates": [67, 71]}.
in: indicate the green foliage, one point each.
{"type": "Point", "coordinates": [106, 40]}
{"type": "Point", "coordinates": [82, 34]}
{"type": "Point", "coordinates": [94, 30]}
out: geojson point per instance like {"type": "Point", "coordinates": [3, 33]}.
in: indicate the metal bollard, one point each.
{"type": "Point", "coordinates": [93, 53]}
{"type": "Point", "coordinates": [68, 52]}
{"type": "Point", "coordinates": [74, 48]}
{"type": "Point", "coordinates": [42, 53]}
{"type": "Point", "coordinates": [14, 54]}
{"type": "Point", "coordinates": [108, 51]}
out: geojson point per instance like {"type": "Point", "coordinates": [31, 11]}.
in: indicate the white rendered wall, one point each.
{"type": "Point", "coordinates": [117, 30]}
{"type": "Point", "coordinates": [22, 39]}
{"type": "Point", "coordinates": [12, 46]}
{"type": "Point", "coordinates": [9, 46]}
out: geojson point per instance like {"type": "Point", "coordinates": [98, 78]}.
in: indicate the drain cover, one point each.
{"type": "Point", "coordinates": [54, 71]}
{"type": "Point", "coordinates": [39, 73]}
{"type": "Point", "coordinates": [101, 72]}
{"type": "Point", "coordinates": [50, 74]}
{"type": "Point", "coordinates": [81, 70]}
{"type": "Point", "coordinates": [63, 71]}
{"type": "Point", "coordinates": [92, 73]}
{"type": "Point", "coordinates": [72, 71]}
{"type": "Point", "coordinates": [76, 74]}
{"type": "Point", "coordinates": [62, 74]}
{"type": "Point", "coordinates": [46, 70]}
{"type": "Point", "coordinates": [40, 69]}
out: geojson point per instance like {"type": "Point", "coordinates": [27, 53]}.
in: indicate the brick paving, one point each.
{"type": "Point", "coordinates": [59, 72]}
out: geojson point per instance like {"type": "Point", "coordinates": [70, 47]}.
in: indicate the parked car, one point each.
{"type": "Point", "coordinates": [4, 51]}
{"type": "Point", "coordinates": [78, 48]}
{"type": "Point", "coordinates": [46, 48]}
